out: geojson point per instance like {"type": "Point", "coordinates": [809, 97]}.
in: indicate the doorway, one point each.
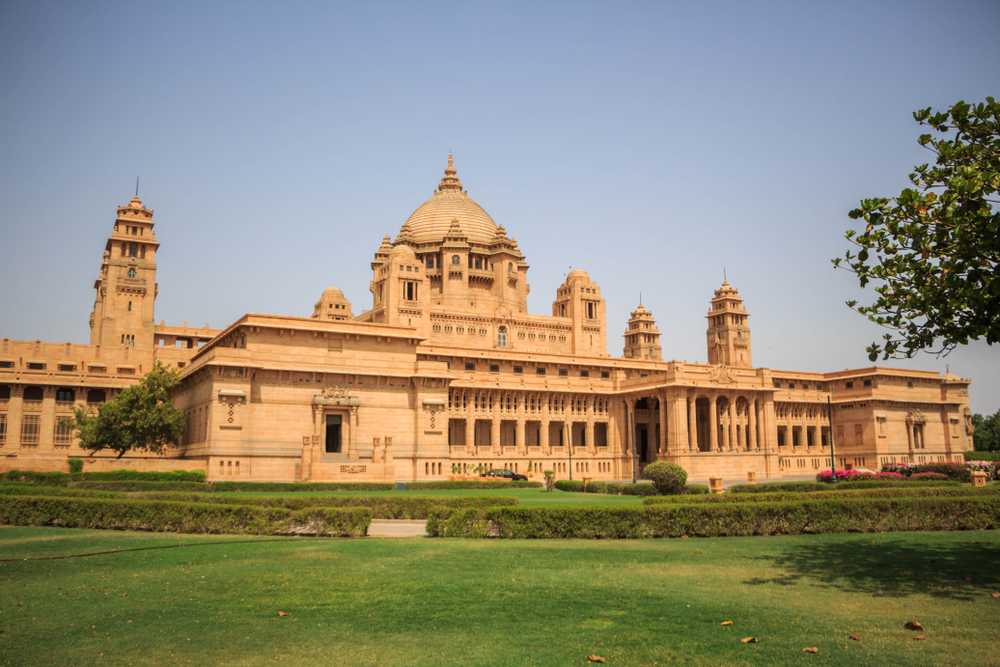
{"type": "Point", "coordinates": [333, 435]}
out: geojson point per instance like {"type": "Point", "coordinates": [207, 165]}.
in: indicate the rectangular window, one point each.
{"type": "Point", "coordinates": [126, 371]}
{"type": "Point", "coordinates": [867, 383]}
{"type": "Point", "coordinates": [881, 421]}
{"type": "Point", "coordinates": [518, 370]}
{"type": "Point", "coordinates": [36, 366]}
{"type": "Point", "coordinates": [6, 364]}
{"type": "Point", "coordinates": [494, 368]}
{"type": "Point", "coordinates": [64, 431]}
{"type": "Point", "coordinates": [563, 372]}
{"type": "Point", "coordinates": [409, 290]}
{"type": "Point", "coordinates": [29, 429]}
{"type": "Point", "coordinates": [605, 375]}
{"type": "Point", "coordinates": [849, 385]}
{"type": "Point", "coordinates": [540, 370]}
{"type": "Point", "coordinates": [67, 368]}
{"type": "Point", "coordinates": [601, 434]}
{"type": "Point", "coordinates": [3, 428]}
{"type": "Point", "coordinates": [333, 434]}
{"type": "Point", "coordinates": [97, 369]}
{"type": "Point", "coordinates": [859, 431]}
{"type": "Point", "coordinates": [584, 373]}
{"type": "Point", "coordinates": [470, 365]}
{"type": "Point", "coordinates": [782, 436]}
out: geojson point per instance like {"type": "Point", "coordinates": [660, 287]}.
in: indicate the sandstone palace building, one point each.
{"type": "Point", "coordinates": [447, 373]}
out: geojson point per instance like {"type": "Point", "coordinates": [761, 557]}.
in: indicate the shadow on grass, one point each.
{"type": "Point", "coordinates": [893, 568]}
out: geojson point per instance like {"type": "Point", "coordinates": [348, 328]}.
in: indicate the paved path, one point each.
{"type": "Point", "coordinates": [397, 528]}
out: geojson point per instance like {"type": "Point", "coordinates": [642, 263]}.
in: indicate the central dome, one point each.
{"type": "Point", "coordinates": [432, 219]}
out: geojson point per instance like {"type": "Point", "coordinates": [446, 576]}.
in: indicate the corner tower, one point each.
{"type": "Point", "coordinates": [579, 300]}
{"type": "Point", "coordinates": [728, 328]}
{"type": "Point", "coordinates": [642, 337]}
{"type": "Point", "coordinates": [125, 289]}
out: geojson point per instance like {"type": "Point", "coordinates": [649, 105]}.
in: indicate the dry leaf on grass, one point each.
{"type": "Point", "coordinates": [810, 649]}
{"type": "Point", "coordinates": [996, 594]}
{"type": "Point", "coordinates": [748, 640]}
{"type": "Point", "coordinates": [913, 625]}
{"type": "Point", "coordinates": [726, 623]}
{"type": "Point", "coordinates": [854, 638]}
{"type": "Point", "coordinates": [919, 638]}
{"type": "Point", "coordinates": [282, 613]}
{"type": "Point", "coordinates": [595, 658]}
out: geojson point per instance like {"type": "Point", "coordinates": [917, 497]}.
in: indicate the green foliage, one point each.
{"type": "Point", "coordinates": [986, 434]}
{"type": "Point", "coordinates": [75, 465]}
{"type": "Point", "coordinates": [899, 491]}
{"type": "Point", "coordinates": [138, 475]}
{"type": "Point", "coordinates": [807, 487]}
{"type": "Point", "coordinates": [932, 252]}
{"type": "Point", "coordinates": [978, 455]}
{"type": "Point", "coordinates": [125, 485]}
{"type": "Point", "coordinates": [32, 477]}
{"type": "Point", "coordinates": [720, 519]}
{"type": "Point", "coordinates": [667, 477]}
{"type": "Point", "coordinates": [620, 488]}
{"type": "Point", "coordinates": [159, 516]}
{"type": "Point", "coordinates": [142, 417]}
{"type": "Point", "coordinates": [474, 484]}
{"type": "Point", "coordinates": [382, 507]}
{"type": "Point", "coordinates": [299, 486]}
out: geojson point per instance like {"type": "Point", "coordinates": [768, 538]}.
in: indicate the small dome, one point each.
{"type": "Point", "coordinates": [332, 293]}
{"type": "Point", "coordinates": [403, 252]}
{"type": "Point", "coordinates": [577, 274]}
{"type": "Point", "coordinates": [432, 219]}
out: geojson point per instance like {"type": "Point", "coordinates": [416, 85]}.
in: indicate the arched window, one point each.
{"type": "Point", "coordinates": [502, 337]}
{"type": "Point", "coordinates": [455, 260]}
{"type": "Point", "coordinates": [510, 267]}
{"type": "Point", "coordinates": [131, 273]}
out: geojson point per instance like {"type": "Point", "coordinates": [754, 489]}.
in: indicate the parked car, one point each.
{"type": "Point", "coordinates": [504, 473]}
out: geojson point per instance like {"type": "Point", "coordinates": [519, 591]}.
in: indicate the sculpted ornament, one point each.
{"type": "Point", "coordinates": [721, 375]}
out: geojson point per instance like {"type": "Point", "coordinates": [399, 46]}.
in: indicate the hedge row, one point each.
{"type": "Point", "coordinates": [806, 487]}
{"type": "Point", "coordinates": [829, 515]}
{"type": "Point", "coordinates": [299, 486]}
{"type": "Point", "coordinates": [382, 507]}
{"type": "Point", "coordinates": [62, 478]}
{"type": "Point", "coordinates": [977, 455]}
{"type": "Point", "coordinates": [907, 491]}
{"type": "Point", "coordinates": [175, 517]}
{"type": "Point", "coordinates": [473, 484]}
{"type": "Point", "coordinates": [621, 488]}
{"type": "Point", "coordinates": [139, 485]}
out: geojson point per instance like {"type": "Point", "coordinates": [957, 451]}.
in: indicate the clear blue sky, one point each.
{"type": "Point", "coordinates": [651, 144]}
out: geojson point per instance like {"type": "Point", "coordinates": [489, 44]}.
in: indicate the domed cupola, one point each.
{"type": "Point", "coordinates": [432, 219]}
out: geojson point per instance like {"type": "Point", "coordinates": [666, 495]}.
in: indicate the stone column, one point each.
{"type": "Point", "coordinates": [47, 422]}
{"type": "Point", "coordinates": [909, 438]}
{"type": "Point", "coordinates": [470, 419]}
{"type": "Point", "coordinates": [522, 444]}
{"type": "Point", "coordinates": [495, 423]}
{"type": "Point", "coordinates": [591, 447]}
{"type": "Point", "coordinates": [733, 442]}
{"type": "Point", "coordinates": [713, 419]}
{"type": "Point", "coordinates": [770, 427]}
{"type": "Point", "coordinates": [543, 434]}
{"type": "Point", "coordinates": [15, 409]}
{"type": "Point", "coordinates": [752, 415]}
{"type": "Point", "coordinates": [677, 440]}
{"type": "Point", "coordinates": [663, 445]}
{"type": "Point", "coordinates": [692, 422]}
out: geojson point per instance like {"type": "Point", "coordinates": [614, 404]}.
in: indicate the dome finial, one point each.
{"type": "Point", "coordinates": [450, 180]}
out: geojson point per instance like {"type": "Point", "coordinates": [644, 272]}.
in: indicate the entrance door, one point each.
{"type": "Point", "coordinates": [333, 434]}
{"type": "Point", "coordinates": [642, 443]}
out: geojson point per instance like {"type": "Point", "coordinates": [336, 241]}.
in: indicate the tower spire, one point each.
{"type": "Point", "coordinates": [450, 180]}
{"type": "Point", "coordinates": [137, 187]}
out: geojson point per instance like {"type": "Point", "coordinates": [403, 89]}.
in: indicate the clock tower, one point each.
{"type": "Point", "coordinates": [125, 289]}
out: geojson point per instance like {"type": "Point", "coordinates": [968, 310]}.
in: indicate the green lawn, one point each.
{"type": "Point", "coordinates": [527, 497]}
{"type": "Point", "coordinates": [489, 602]}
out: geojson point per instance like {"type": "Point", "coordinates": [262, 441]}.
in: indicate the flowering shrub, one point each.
{"type": "Point", "coordinates": [927, 475]}
{"type": "Point", "coordinates": [827, 475]}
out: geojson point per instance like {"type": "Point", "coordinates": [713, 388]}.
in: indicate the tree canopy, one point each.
{"type": "Point", "coordinates": [986, 437]}
{"type": "Point", "coordinates": [931, 253]}
{"type": "Point", "coordinates": [142, 417]}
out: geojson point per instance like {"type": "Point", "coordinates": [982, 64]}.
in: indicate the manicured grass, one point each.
{"type": "Point", "coordinates": [526, 497]}
{"type": "Point", "coordinates": [487, 602]}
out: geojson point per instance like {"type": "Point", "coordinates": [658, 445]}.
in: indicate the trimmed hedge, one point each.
{"type": "Point", "coordinates": [25, 489]}
{"type": "Point", "coordinates": [32, 477]}
{"type": "Point", "coordinates": [908, 491]}
{"type": "Point", "coordinates": [474, 484]}
{"type": "Point", "coordinates": [175, 517]}
{"type": "Point", "coordinates": [806, 487]}
{"type": "Point", "coordinates": [977, 455]}
{"type": "Point", "coordinates": [621, 488]}
{"type": "Point", "coordinates": [139, 485]}
{"type": "Point", "coordinates": [382, 507]}
{"type": "Point", "coordinates": [62, 478]}
{"type": "Point", "coordinates": [827, 515]}
{"type": "Point", "coordinates": [299, 486]}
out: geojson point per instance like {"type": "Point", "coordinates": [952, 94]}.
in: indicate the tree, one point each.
{"type": "Point", "coordinates": [668, 478]}
{"type": "Point", "coordinates": [986, 436]}
{"type": "Point", "coordinates": [932, 251]}
{"type": "Point", "coordinates": [141, 417]}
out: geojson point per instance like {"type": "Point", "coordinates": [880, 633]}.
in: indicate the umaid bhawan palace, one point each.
{"type": "Point", "coordinates": [447, 371]}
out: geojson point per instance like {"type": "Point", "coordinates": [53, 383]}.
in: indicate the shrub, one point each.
{"type": "Point", "coordinates": [122, 514]}
{"type": "Point", "coordinates": [667, 477]}
{"type": "Point", "coordinates": [138, 485]}
{"type": "Point", "coordinates": [474, 484]}
{"type": "Point", "coordinates": [139, 475]}
{"type": "Point", "coordinates": [806, 487]}
{"type": "Point", "coordinates": [696, 489]}
{"type": "Point", "coordinates": [979, 455]}
{"type": "Point", "coordinates": [75, 465]}
{"type": "Point", "coordinates": [32, 477]}
{"type": "Point", "coordinates": [468, 522]}
{"type": "Point", "coordinates": [895, 491]}
{"type": "Point", "coordinates": [928, 475]}
{"type": "Point", "coordinates": [382, 507]}
{"type": "Point", "coordinates": [300, 486]}
{"type": "Point", "coordinates": [719, 519]}
{"type": "Point", "coordinates": [956, 471]}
